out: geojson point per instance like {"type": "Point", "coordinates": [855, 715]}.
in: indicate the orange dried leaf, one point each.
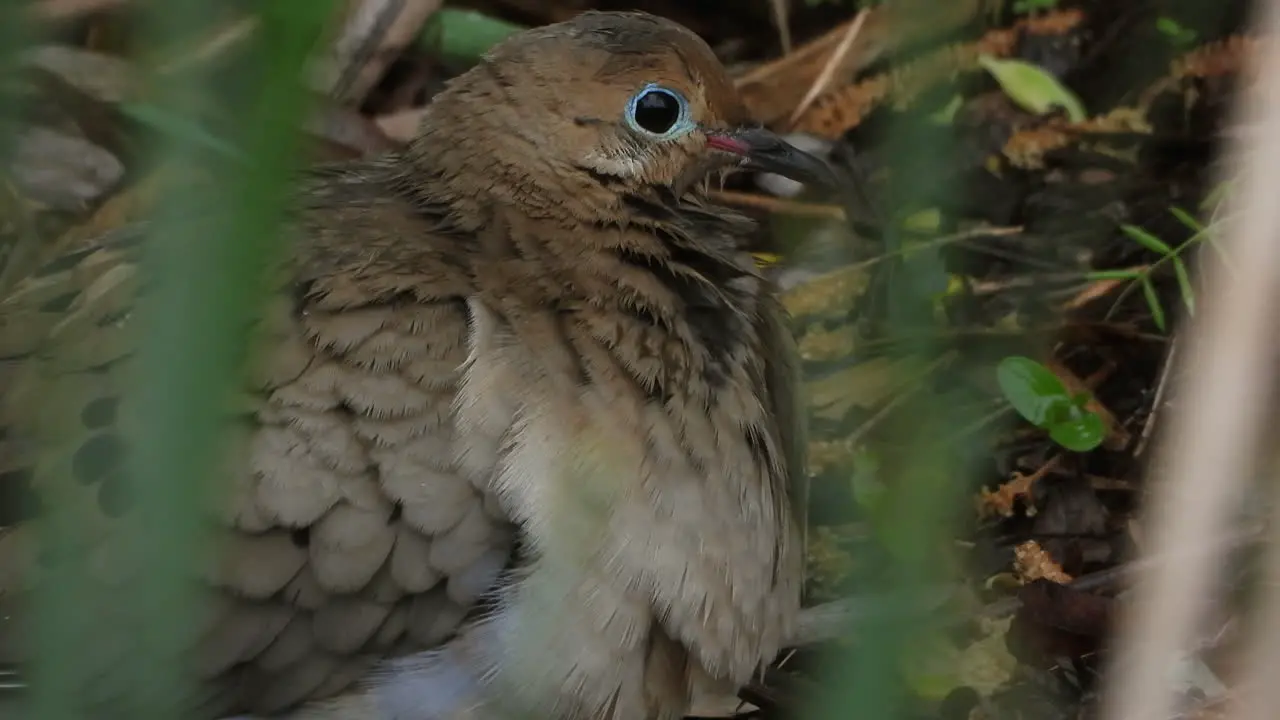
{"type": "Point", "coordinates": [1031, 562]}
{"type": "Point", "coordinates": [1223, 58]}
{"type": "Point", "coordinates": [1027, 148]}
{"type": "Point", "coordinates": [1000, 502]}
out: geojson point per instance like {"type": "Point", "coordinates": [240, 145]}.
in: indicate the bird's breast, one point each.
{"type": "Point", "coordinates": [657, 501]}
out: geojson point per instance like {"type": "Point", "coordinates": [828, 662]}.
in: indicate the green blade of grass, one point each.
{"type": "Point", "coordinates": [1146, 239]}
{"type": "Point", "coordinates": [1187, 219]}
{"type": "Point", "coordinates": [206, 258]}
{"type": "Point", "coordinates": [1153, 303]}
{"type": "Point", "coordinates": [1114, 274]}
{"type": "Point", "coordinates": [1184, 285]}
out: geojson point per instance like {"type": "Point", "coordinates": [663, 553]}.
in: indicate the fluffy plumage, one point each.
{"type": "Point", "coordinates": [532, 318]}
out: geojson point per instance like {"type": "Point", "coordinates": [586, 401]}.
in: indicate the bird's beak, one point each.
{"type": "Point", "coordinates": [763, 150]}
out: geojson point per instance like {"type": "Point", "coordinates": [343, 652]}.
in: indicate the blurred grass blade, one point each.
{"type": "Point", "coordinates": [1114, 274]}
{"type": "Point", "coordinates": [182, 128]}
{"type": "Point", "coordinates": [1153, 303]}
{"type": "Point", "coordinates": [1187, 219]}
{"type": "Point", "coordinates": [1184, 285]}
{"type": "Point", "coordinates": [1147, 240]}
{"type": "Point", "coordinates": [206, 260]}
{"type": "Point", "coordinates": [919, 461]}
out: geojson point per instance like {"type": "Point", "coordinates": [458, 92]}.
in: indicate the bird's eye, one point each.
{"type": "Point", "coordinates": [659, 112]}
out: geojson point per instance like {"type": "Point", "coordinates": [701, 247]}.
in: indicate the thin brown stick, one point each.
{"type": "Point", "coordinates": [373, 34]}
{"type": "Point", "coordinates": [829, 70]}
{"type": "Point", "coordinates": [1157, 402]}
{"type": "Point", "coordinates": [782, 21]}
{"type": "Point", "coordinates": [778, 205]}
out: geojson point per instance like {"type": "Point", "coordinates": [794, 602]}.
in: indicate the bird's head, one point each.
{"type": "Point", "coordinates": [605, 104]}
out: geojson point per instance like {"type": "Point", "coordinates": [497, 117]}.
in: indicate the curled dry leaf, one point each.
{"type": "Point", "coordinates": [1000, 502]}
{"type": "Point", "coordinates": [1031, 562]}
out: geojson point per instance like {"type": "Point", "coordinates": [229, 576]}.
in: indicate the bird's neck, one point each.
{"type": "Point", "coordinates": [472, 167]}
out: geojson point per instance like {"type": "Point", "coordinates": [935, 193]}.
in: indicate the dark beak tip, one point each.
{"type": "Point", "coordinates": [768, 152]}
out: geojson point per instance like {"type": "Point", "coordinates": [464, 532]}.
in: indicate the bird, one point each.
{"type": "Point", "coordinates": [521, 433]}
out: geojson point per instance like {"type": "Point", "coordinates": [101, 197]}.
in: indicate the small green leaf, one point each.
{"type": "Point", "coordinates": [1033, 390]}
{"type": "Point", "coordinates": [1114, 275]}
{"type": "Point", "coordinates": [1032, 88]}
{"type": "Point", "coordinates": [923, 221]}
{"type": "Point", "coordinates": [1146, 239]}
{"type": "Point", "coordinates": [1082, 433]}
{"type": "Point", "coordinates": [1216, 195]}
{"type": "Point", "coordinates": [1187, 219]}
{"type": "Point", "coordinates": [464, 35]}
{"type": "Point", "coordinates": [1175, 31]}
{"type": "Point", "coordinates": [1153, 302]}
{"type": "Point", "coordinates": [1184, 285]}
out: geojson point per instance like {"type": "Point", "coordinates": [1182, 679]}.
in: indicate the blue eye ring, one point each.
{"type": "Point", "coordinates": [659, 112]}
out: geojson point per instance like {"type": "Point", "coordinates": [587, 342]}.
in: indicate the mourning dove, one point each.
{"type": "Point", "coordinates": [532, 322]}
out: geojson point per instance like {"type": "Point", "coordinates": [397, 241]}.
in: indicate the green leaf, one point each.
{"type": "Point", "coordinates": [1216, 195]}
{"type": "Point", "coordinates": [1146, 239]}
{"type": "Point", "coordinates": [1187, 219]}
{"type": "Point", "coordinates": [1184, 285]}
{"type": "Point", "coordinates": [1153, 302]}
{"type": "Point", "coordinates": [464, 35]}
{"type": "Point", "coordinates": [1175, 31]}
{"type": "Point", "coordinates": [923, 221]}
{"type": "Point", "coordinates": [1033, 390]}
{"type": "Point", "coordinates": [1081, 433]}
{"type": "Point", "coordinates": [1032, 88]}
{"type": "Point", "coordinates": [1114, 274]}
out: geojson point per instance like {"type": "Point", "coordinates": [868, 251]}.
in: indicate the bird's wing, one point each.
{"type": "Point", "coordinates": [784, 383]}
{"type": "Point", "coordinates": [347, 531]}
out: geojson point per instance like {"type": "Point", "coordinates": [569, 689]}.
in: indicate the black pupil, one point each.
{"type": "Point", "coordinates": [657, 111]}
